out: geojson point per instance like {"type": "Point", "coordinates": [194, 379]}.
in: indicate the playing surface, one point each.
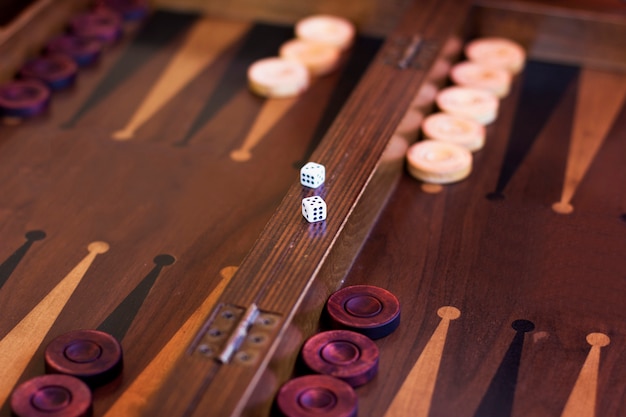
{"type": "Point", "coordinates": [130, 233]}
{"type": "Point", "coordinates": [542, 324]}
{"type": "Point", "coordinates": [129, 206]}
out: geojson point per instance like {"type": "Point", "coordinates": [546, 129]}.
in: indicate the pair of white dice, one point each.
{"type": "Point", "coordinates": [313, 208]}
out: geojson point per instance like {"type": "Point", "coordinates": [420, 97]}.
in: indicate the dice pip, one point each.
{"type": "Point", "coordinates": [314, 209]}
{"type": "Point", "coordinates": [312, 175]}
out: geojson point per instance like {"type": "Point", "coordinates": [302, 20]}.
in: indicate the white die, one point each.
{"type": "Point", "coordinates": [312, 175]}
{"type": "Point", "coordinates": [314, 209]}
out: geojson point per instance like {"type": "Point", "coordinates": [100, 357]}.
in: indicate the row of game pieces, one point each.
{"type": "Point", "coordinates": [458, 129]}
{"type": "Point", "coordinates": [88, 34]}
{"type": "Point", "coordinates": [344, 358]}
{"type": "Point", "coordinates": [315, 51]}
{"type": "Point", "coordinates": [76, 363]}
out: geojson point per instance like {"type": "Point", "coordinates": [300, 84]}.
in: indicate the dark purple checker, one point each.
{"type": "Point", "coordinates": [369, 310]}
{"type": "Point", "coordinates": [23, 98]}
{"type": "Point", "coordinates": [349, 356]}
{"type": "Point", "coordinates": [93, 356]}
{"type": "Point", "coordinates": [129, 9]}
{"type": "Point", "coordinates": [317, 396]}
{"type": "Point", "coordinates": [52, 396]}
{"type": "Point", "coordinates": [56, 71]}
{"type": "Point", "coordinates": [84, 51]}
{"type": "Point", "coordinates": [101, 23]}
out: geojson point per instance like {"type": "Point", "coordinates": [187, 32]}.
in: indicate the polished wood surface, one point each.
{"type": "Point", "coordinates": [513, 258]}
{"type": "Point", "coordinates": [159, 190]}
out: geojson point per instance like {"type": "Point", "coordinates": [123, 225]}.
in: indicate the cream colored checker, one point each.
{"type": "Point", "coordinates": [438, 162]}
{"type": "Point", "coordinates": [475, 75]}
{"type": "Point", "coordinates": [278, 78]}
{"type": "Point", "coordinates": [454, 129]}
{"type": "Point", "coordinates": [327, 29]}
{"type": "Point", "coordinates": [497, 52]}
{"type": "Point", "coordinates": [319, 58]}
{"type": "Point", "coordinates": [472, 103]}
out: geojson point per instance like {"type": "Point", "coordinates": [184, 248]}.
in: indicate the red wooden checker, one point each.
{"type": "Point", "coordinates": [90, 355]}
{"type": "Point", "coordinates": [84, 51]}
{"type": "Point", "coordinates": [349, 356]}
{"type": "Point", "coordinates": [101, 23]}
{"type": "Point", "coordinates": [369, 310]}
{"type": "Point", "coordinates": [317, 396]}
{"type": "Point", "coordinates": [54, 70]}
{"type": "Point", "coordinates": [23, 98]}
{"type": "Point", "coordinates": [52, 396]}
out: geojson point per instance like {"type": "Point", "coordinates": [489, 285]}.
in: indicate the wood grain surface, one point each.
{"type": "Point", "coordinates": [173, 216]}
{"type": "Point", "coordinates": [511, 282]}
{"type": "Point", "coordinates": [501, 261]}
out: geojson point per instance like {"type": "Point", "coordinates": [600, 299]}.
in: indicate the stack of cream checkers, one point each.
{"type": "Point", "coordinates": [316, 51]}
{"type": "Point", "coordinates": [444, 156]}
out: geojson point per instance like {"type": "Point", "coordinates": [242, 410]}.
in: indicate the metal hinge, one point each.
{"type": "Point", "coordinates": [237, 334]}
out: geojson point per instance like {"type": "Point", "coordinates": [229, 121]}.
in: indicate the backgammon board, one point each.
{"type": "Point", "coordinates": [158, 197]}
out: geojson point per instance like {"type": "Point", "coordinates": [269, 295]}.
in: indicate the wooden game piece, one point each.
{"type": "Point", "coordinates": [319, 58]}
{"type": "Point", "coordinates": [328, 29]}
{"type": "Point", "coordinates": [438, 162]}
{"type": "Point", "coordinates": [277, 78]}
{"type": "Point", "coordinates": [23, 98]}
{"type": "Point", "coordinates": [100, 23]}
{"type": "Point", "coordinates": [366, 309]}
{"type": "Point", "coordinates": [497, 52]}
{"type": "Point", "coordinates": [92, 356]}
{"type": "Point", "coordinates": [130, 10]}
{"type": "Point", "coordinates": [349, 356]}
{"type": "Point", "coordinates": [473, 103]}
{"type": "Point", "coordinates": [454, 129]}
{"type": "Point", "coordinates": [84, 51]}
{"type": "Point", "coordinates": [472, 74]}
{"type": "Point", "coordinates": [317, 396]}
{"type": "Point", "coordinates": [55, 70]}
{"type": "Point", "coordinates": [52, 396]}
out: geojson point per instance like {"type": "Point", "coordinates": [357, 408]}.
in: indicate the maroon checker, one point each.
{"type": "Point", "coordinates": [366, 309]}
{"type": "Point", "coordinates": [56, 71]}
{"type": "Point", "coordinates": [344, 354]}
{"type": "Point", "coordinates": [317, 396]}
{"type": "Point", "coordinates": [93, 356]}
{"type": "Point", "coordinates": [101, 23]}
{"type": "Point", "coordinates": [83, 50]}
{"type": "Point", "coordinates": [23, 98]}
{"type": "Point", "coordinates": [52, 396]}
